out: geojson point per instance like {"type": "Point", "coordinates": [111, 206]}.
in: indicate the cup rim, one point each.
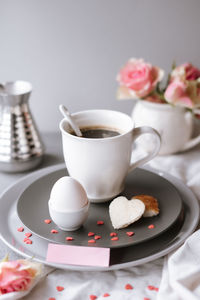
{"type": "Point", "coordinates": [96, 139]}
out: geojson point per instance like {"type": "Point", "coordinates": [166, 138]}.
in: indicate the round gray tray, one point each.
{"type": "Point", "coordinates": [120, 257]}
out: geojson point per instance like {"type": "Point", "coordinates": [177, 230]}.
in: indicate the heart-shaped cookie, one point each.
{"type": "Point", "coordinates": [151, 205]}
{"type": "Point", "coordinates": [124, 212]}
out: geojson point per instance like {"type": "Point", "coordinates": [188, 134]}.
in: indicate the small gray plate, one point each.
{"type": "Point", "coordinates": [32, 208]}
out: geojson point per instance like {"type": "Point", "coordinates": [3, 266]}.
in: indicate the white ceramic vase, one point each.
{"type": "Point", "coordinates": [175, 125]}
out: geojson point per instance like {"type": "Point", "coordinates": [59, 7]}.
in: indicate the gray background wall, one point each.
{"type": "Point", "coordinates": [71, 50]}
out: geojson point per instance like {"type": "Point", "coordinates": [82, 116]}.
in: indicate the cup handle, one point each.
{"type": "Point", "coordinates": [191, 143]}
{"type": "Point", "coordinates": [137, 132]}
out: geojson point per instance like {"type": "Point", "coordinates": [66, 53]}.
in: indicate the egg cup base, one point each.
{"type": "Point", "coordinates": [70, 229]}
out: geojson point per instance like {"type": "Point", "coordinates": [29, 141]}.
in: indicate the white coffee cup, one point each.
{"type": "Point", "coordinates": [101, 165]}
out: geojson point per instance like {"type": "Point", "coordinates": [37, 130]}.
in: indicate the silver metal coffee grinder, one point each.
{"type": "Point", "coordinates": [21, 148]}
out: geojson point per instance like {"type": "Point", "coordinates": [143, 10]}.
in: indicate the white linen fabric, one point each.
{"type": "Point", "coordinates": [181, 272]}
{"type": "Point", "coordinates": [80, 285]}
{"type": "Point", "coordinates": [179, 279]}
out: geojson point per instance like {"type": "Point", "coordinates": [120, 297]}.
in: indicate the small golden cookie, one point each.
{"type": "Point", "coordinates": [151, 205]}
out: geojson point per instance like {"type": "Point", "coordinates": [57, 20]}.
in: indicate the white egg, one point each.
{"type": "Point", "coordinates": [68, 194]}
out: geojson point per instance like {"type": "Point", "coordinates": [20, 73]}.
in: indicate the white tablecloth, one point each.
{"type": "Point", "coordinates": [164, 278]}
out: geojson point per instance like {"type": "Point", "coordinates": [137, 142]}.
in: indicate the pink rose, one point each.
{"type": "Point", "coordinates": [184, 86]}
{"type": "Point", "coordinates": [17, 275]}
{"type": "Point", "coordinates": [178, 93]}
{"type": "Point", "coordinates": [138, 79]}
{"type": "Point", "coordinates": [185, 72]}
{"type": "Point", "coordinates": [191, 72]}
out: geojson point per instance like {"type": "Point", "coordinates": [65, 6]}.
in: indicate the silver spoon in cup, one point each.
{"type": "Point", "coordinates": [64, 111]}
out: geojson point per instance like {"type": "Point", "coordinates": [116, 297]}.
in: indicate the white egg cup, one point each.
{"type": "Point", "coordinates": [69, 220]}
{"type": "Point", "coordinates": [68, 204]}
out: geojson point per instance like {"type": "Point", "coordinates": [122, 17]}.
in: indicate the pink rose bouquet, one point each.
{"type": "Point", "coordinates": [18, 277]}
{"type": "Point", "coordinates": [141, 80]}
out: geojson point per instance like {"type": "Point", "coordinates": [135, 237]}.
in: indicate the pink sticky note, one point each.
{"type": "Point", "coordinates": [78, 255]}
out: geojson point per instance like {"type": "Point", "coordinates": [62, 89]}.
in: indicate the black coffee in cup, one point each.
{"type": "Point", "coordinates": [98, 132]}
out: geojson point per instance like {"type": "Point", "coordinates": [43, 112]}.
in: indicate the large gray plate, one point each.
{"type": "Point", "coordinates": [32, 209]}
{"type": "Point", "coordinates": [120, 258]}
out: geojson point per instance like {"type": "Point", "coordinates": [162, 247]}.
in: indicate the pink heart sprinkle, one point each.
{"type": "Point", "coordinates": [151, 226]}
{"type": "Point", "coordinates": [106, 295]}
{"type": "Point", "coordinates": [115, 238]}
{"type": "Point", "coordinates": [128, 286]}
{"type": "Point", "coordinates": [92, 241]}
{"type": "Point", "coordinates": [54, 231]}
{"type": "Point", "coordinates": [28, 234]}
{"type": "Point", "coordinates": [69, 238]}
{"type": "Point", "coordinates": [28, 241]}
{"type": "Point", "coordinates": [20, 229]}
{"type": "Point", "coordinates": [100, 222]}
{"type": "Point", "coordinates": [90, 233]}
{"type": "Point", "coordinates": [130, 233]}
{"type": "Point", "coordinates": [60, 288]}
{"type": "Point", "coordinates": [150, 287]}
{"type": "Point", "coordinates": [113, 234]}
{"type": "Point", "coordinates": [93, 297]}
{"type": "Point", "coordinates": [47, 221]}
